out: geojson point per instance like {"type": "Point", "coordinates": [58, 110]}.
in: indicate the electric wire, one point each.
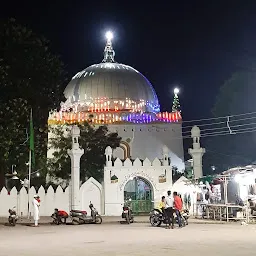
{"type": "Point", "coordinates": [225, 127]}
{"type": "Point", "coordinates": [224, 122]}
{"type": "Point", "coordinates": [223, 133]}
{"type": "Point", "coordinates": [220, 117]}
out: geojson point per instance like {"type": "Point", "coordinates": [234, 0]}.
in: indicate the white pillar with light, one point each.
{"type": "Point", "coordinates": [197, 153]}
{"type": "Point", "coordinates": [75, 154]}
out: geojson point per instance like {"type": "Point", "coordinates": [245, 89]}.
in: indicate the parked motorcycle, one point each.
{"type": "Point", "coordinates": [59, 217]}
{"type": "Point", "coordinates": [127, 213]}
{"type": "Point", "coordinates": [81, 217]}
{"type": "Point", "coordinates": [157, 218]}
{"type": "Point", "coordinates": [13, 217]}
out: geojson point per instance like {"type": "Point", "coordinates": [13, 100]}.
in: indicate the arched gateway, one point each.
{"type": "Point", "coordinates": [141, 181]}
{"type": "Point", "coordinates": [140, 191]}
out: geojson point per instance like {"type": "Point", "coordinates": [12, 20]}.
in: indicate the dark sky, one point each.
{"type": "Point", "coordinates": [194, 44]}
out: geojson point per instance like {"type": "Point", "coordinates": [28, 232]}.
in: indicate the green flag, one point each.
{"type": "Point", "coordinates": [31, 140]}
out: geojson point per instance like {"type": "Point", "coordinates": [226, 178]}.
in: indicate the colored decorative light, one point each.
{"type": "Point", "coordinates": [108, 117]}
{"type": "Point", "coordinates": [104, 104]}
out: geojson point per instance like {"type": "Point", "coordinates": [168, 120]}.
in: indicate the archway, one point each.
{"type": "Point", "coordinates": [140, 191]}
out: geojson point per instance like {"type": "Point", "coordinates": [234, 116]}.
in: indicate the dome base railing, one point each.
{"type": "Point", "coordinates": [113, 117]}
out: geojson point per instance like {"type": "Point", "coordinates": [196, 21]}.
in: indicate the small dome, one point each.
{"type": "Point", "coordinates": [75, 131]}
{"type": "Point", "coordinates": [165, 149]}
{"type": "Point", "coordinates": [195, 131]}
{"type": "Point", "coordinates": [108, 150]}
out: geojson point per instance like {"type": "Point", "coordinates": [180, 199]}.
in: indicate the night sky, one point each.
{"type": "Point", "coordinates": [189, 44]}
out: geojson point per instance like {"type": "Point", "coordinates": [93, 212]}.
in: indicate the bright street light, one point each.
{"type": "Point", "coordinates": [109, 35]}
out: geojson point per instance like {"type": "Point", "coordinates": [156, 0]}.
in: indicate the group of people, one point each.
{"type": "Point", "coordinates": [169, 205]}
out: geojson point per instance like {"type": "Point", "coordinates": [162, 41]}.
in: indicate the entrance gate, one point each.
{"type": "Point", "coordinates": [140, 192]}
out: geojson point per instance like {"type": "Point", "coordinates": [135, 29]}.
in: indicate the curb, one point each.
{"type": "Point", "coordinates": [44, 223]}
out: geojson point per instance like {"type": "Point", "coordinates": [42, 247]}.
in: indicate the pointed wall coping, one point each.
{"type": "Point", "coordinates": [137, 162]}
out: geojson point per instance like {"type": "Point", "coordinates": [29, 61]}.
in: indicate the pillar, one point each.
{"type": "Point", "coordinates": [108, 154]}
{"type": "Point", "coordinates": [197, 153]}
{"type": "Point", "coordinates": [75, 154]}
{"type": "Point", "coordinates": [165, 156]}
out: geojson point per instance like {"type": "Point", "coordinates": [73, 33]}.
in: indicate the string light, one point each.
{"type": "Point", "coordinates": [109, 117]}
{"type": "Point", "coordinates": [105, 104]}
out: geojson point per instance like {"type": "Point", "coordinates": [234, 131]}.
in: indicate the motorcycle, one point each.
{"type": "Point", "coordinates": [59, 217]}
{"type": "Point", "coordinates": [81, 217]}
{"type": "Point", "coordinates": [13, 217]}
{"type": "Point", "coordinates": [157, 218]}
{"type": "Point", "coordinates": [127, 212]}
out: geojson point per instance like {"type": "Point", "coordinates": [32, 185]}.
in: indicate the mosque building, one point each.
{"type": "Point", "coordinates": [117, 95]}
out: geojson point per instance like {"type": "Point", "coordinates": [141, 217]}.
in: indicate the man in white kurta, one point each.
{"type": "Point", "coordinates": [36, 205]}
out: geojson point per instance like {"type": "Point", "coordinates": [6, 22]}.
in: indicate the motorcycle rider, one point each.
{"type": "Point", "coordinates": [169, 210]}
{"type": "Point", "coordinates": [177, 204]}
{"type": "Point", "coordinates": [162, 205]}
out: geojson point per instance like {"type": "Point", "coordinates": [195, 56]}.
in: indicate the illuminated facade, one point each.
{"type": "Point", "coordinates": [122, 98]}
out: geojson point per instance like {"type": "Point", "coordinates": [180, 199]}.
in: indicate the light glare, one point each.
{"type": "Point", "coordinates": [109, 35]}
{"type": "Point", "coordinates": [176, 90]}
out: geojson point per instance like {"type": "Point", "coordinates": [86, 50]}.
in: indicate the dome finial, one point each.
{"type": "Point", "coordinates": [109, 53]}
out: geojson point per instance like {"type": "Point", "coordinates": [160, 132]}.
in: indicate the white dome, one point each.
{"type": "Point", "coordinates": [112, 81]}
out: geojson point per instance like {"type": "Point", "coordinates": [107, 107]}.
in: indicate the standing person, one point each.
{"type": "Point", "coordinates": [169, 210]}
{"type": "Point", "coordinates": [177, 203]}
{"type": "Point", "coordinates": [36, 205]}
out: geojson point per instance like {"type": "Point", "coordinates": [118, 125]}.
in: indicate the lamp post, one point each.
{"type": "Point", "coordinates": [13, 166]}
{"type": "Point", "coordinates": [25, 182]}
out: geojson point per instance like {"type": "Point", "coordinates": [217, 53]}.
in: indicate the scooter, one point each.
{"type": "Point", "coordinates": [59, 217]}
{"type": "Point", "coordinates": [95, 216]}
{"type": "Point", "coordinates": [13, 217]}
{"type": "Point", "coordinates": [127, 212]}
{"type": "Point", "coordinates": [81, 217]}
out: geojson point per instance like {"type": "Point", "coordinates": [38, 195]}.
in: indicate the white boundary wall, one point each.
{"type": "Point", "coordinates": [91, 190]}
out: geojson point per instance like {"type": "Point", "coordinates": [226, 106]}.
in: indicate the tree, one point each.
{"type": "Point", "coordinates": [176, 174]}
{"type": "Point", "coordinates": [93, 140]}
{"type": "Point", "coordinates": [236, 96]}
{"type": "Point", "coordinates": [30, 77]}
{"type": "Point", "coordinates": [176, 103]}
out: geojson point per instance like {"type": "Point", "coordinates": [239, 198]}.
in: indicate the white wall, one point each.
{"type": "Point", "coordinates": [91, 190]}
{"type": "Point", "coordinates": [147, 140]}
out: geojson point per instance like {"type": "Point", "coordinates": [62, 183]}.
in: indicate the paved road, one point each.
{"type": "Point", "coordinates": [135, 239]}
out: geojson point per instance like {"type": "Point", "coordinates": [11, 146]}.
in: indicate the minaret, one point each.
{"type": "Point", "coordinates": [165, 156]}
{"type": "Point", "coordinates": [196, 152]}
{"type": "Point", "coordinates": [176, 101]}
{"type": "Point", "coordinates": [109, 53]}
{"type": "Point", "coordinates": [108, 154]}
{"type": "Point", "coordinates": [75, 154]}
